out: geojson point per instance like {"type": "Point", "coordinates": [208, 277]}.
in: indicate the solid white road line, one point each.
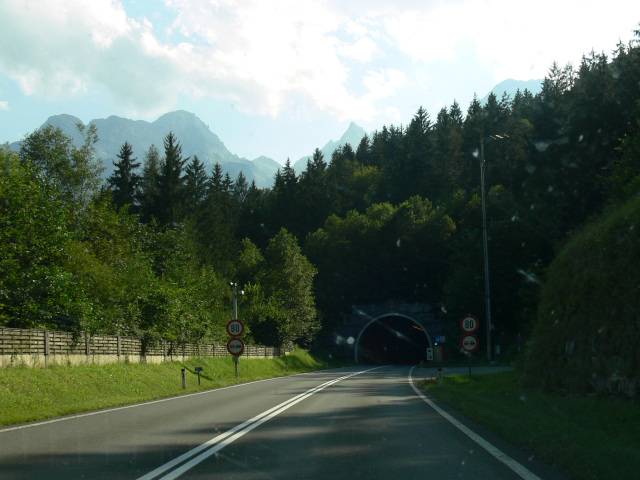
{"type": "Point", "coordinates": [194, 457]}
{"type": "Point", "coordinates": [134, 405]}
{"type": "Point", "coordinates": [497, 453]}
{"type": "Point", "coordinates": [39, 423]}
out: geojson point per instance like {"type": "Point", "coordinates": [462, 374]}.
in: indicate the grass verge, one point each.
{"type": "Point", "coordinates": [28, 394]}
{"type": "Point", "coordinates": [587, 437]}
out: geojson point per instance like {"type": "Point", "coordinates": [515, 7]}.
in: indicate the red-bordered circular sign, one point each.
{"type": "Point", "coordinates": [469, 324]}
{"type": "Point", "coordinates": [235, 328]}
{"type": "Point", "coordinates": [469, 343]}
{"type": "Point", "coordinates": [235, 346]}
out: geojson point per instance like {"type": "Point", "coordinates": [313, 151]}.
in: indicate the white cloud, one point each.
{"type": "Point", "coordinates": [270, 54]}
{"type": "Point", "coordinates": [4, 105]}
{"type": "Point", "coordinates": [57, 49]}
{"type": "Point", "coordinates": [383, 84]}
{"type": "Point", "coordinates": [362, 50]}
{"type": "Point", "coordinates": [271, 51]}
{"type": "Point", "coordinates": [259, 54]}
{"type": "Point", "coordinates": [393, 114]}
{"type": "Point", "coordinates": [266, 57]}
{"type": "Point", "coordinates": [515, 41]}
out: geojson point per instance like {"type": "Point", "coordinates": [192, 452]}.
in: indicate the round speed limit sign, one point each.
{"type": "Point", "coordinates": [235, 328]}
{"type": "Point", "coordinates": [469, 324]}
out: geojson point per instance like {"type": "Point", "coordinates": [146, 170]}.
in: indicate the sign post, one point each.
{"type": "Point", "coordinates": [235, 347]}
{"type": "Point", "coordinates": [235, 328]}
{"type": "Point", "coordinates": [469, 342]}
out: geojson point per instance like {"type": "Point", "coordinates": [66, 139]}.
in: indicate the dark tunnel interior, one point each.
{"type": "Point", "coordinates": [393, 340]}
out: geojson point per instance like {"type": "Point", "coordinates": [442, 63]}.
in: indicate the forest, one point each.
{"type": "Point", "coordinates": [151, 252]}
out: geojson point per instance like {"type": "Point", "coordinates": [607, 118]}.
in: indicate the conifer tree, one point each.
{"type": "Point", "coordinates": [196, 180]}
{"type": "Point", "coordinates": [215, 181]}
{"type": "Point", "coordinates": [171, 182]}
{"type": "Point", "coordinates": [240, 189]}
{"type": "Point", "coordinates": [363, 152]}
{"type": "Point", "coordinates": [149, 191]}
{"type": "Point", "coordinates": [124, 181]}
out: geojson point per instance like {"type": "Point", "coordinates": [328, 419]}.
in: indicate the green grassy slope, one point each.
{"type": "Point", "coordinates": [28, 394]}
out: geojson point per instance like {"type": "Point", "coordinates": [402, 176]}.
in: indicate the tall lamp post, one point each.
{"type": "Point", "coordinates": [235, 299]}
{"type": "Point", "coordinates": [485, 242]}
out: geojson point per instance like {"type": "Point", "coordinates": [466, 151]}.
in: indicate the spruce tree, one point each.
{"type": "Point", "coordinates": [240, 189]}
{"type": "Point", "coordinates": [196, 180]}
{"type": "Point", "coordinates": [171, 182]}
{"type": "Point", "coordinates": [124, 181]}
{"type": "Point", "coordinates": [149, 185]}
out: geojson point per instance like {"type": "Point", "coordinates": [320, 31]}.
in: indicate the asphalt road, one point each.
{"type": "Point", "coordinates": [360, 422]}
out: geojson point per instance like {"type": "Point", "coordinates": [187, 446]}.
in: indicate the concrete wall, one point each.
{"type": "Point", "coordinates": [45, 347]}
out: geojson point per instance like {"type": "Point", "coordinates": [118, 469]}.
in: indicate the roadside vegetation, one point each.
{"type": "Point", "coordinates": [586, 336]}
{"type": "Point", "coordinates": [150, 251]}
{"type": "Point", "coordinates": [28, 394]}
{"type": "Point", "coordinates": [589, 437]}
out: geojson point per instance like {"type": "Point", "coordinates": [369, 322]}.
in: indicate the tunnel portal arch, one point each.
{"type": "Point", "coordinates": [382, 317]}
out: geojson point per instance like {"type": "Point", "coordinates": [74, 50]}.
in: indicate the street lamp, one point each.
{"type": "Point", "coordinates": [235, 299]}
{"type": "Point", "coordinates": [485, 242]}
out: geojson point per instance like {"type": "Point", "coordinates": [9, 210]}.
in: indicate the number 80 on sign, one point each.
{"type": "Point", "coordinates": [235, 328]}
{"type": "Point", "coordinates": [469, 324]}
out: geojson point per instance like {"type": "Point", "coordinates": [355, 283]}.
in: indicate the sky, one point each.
{"type": "Point", "coordinates": [283, 77]}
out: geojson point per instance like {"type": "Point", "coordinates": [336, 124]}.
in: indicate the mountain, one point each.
{"type": "Point", "coordinates": [192, 133]}
{"type": "Point", "coordinates": [510, 87]}
{"type": "Point", "coordinates": [352, 136]}
{"type": "Point", "coordinates": [195, 138]}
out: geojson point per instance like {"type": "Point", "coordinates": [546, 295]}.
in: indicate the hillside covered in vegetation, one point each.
{"type": "Point", "coordinates": [587, 334]}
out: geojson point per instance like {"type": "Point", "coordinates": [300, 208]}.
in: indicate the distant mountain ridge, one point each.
{"type": "Point", "coordinates": [195, 138]}
{"type": "Point", "coordinates": [191, 132]}
{"type": "Point", "coordinates": [511, 86]}
{"type": "Point", "coordinates": [352, 136]}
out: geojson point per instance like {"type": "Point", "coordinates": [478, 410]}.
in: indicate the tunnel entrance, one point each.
{"type": "Point", "coordinates": [392, 339]}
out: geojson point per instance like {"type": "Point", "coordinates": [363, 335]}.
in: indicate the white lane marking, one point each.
{"type": "Point", "coordinates": [218, 443]}
{"type": "Point", "coordinates": [40, 423]}
{"type": "Point", "coordinates": [497, 453]}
